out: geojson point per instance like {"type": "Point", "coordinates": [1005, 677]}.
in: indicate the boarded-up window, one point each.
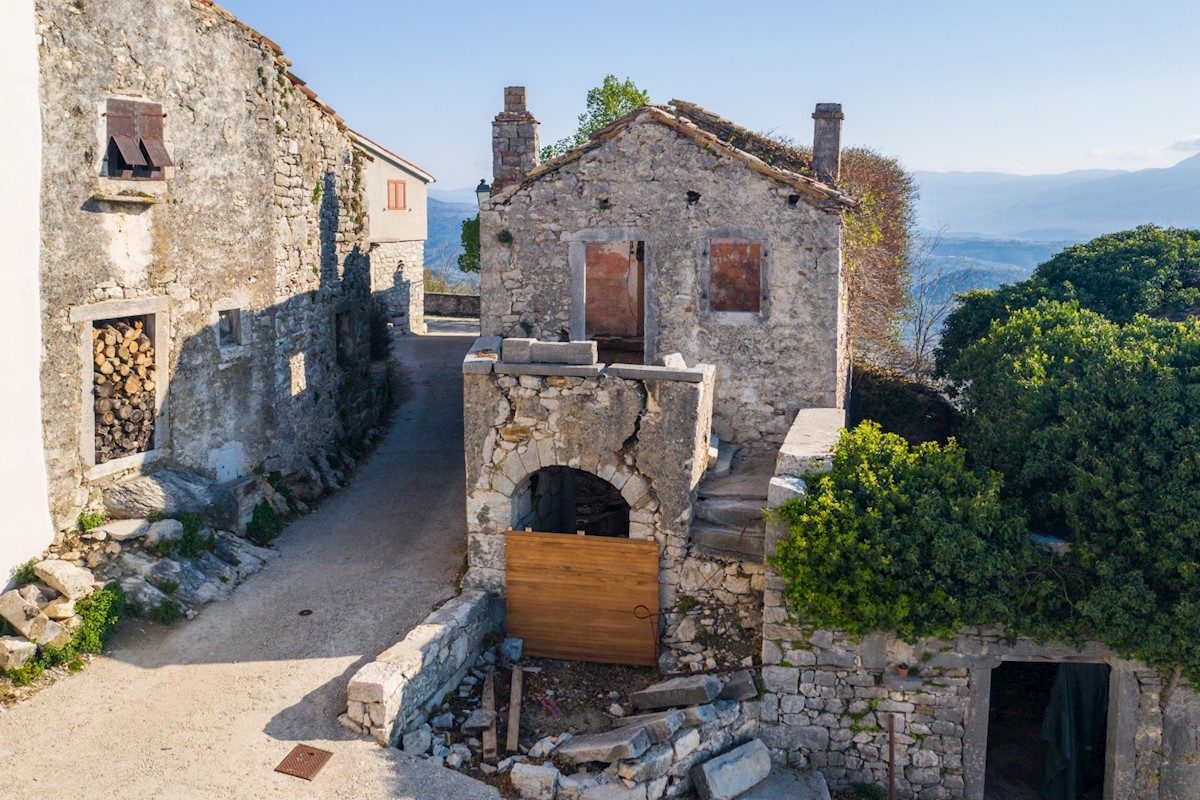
{"type": "Point", "coordinates": [613, 291]}
{"type": "Point", "coordinates": [397, 196]}
{"type": "Point", "coordinates": [135, 148]}
{"type": "Point", "coordinates": [735, 275]}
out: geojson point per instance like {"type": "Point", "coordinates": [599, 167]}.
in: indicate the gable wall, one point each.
{"type": "Point", "coordinates": [768, 365]}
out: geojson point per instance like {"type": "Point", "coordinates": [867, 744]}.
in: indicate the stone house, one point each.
{"type": "Point", "coordinates": [204, 261]}
{"type": "Point", "coordinates": [395, 193]}
{"type": "Point", "coordinates": [657, 307]}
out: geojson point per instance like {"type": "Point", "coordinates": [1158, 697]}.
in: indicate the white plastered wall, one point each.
{"type": "Point", "coordinates": [27, 528]}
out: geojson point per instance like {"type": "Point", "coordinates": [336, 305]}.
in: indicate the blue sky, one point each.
{"type": "Point", "coordinates": [1014, 86]}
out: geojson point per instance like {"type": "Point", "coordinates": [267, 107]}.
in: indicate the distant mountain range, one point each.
{"type": "Point", "coordinates": [444, 245]}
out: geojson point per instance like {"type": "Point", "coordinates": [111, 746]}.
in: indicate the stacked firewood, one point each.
{"type": "Point", "coordinates": [124, 388]}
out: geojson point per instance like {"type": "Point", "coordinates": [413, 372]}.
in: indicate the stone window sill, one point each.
{"type": "Point", "coordinates": [142, 193]}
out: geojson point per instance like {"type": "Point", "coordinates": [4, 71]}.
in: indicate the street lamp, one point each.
{"type": "Point", "coordinates": [483, 192]}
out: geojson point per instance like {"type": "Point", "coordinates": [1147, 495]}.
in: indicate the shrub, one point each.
{"type": "Point", "coordinates": [265, 525]}
{"type": "Point", "coordinates": [89, 520]}
{"type": "Point", "coordinates": [901, 538]}
{"type": "Point", "coordinates": [23, 573]}
{"type": "Point", "coordinates": [167, 612]}
{"type": "Point", "coordinates": [99, 613]}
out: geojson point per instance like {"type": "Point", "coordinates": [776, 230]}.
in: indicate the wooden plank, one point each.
{"type": "Point", "coordinates": [577, 597]}
{"type": "Point", "coordinates": [489, 704]}
{"type": "Point", "coordinates": [514, 710]}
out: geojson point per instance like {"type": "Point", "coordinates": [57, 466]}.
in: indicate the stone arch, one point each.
{"type": "Point", "coordinates": [567, 500]}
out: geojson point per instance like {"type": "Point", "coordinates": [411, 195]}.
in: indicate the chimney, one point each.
{"type": "Point", "coordinates": [827, 142]}
{"type": "Point", "coordinates": [514, 140]}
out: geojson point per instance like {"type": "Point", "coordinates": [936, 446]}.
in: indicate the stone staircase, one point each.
{"type": "Point", "coordinates": [727, 517]}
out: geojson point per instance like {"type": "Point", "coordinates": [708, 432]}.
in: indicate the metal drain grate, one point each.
{"type": "Point", "coordinates": [305, 761]}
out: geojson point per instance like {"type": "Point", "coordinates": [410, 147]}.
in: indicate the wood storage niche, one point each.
{"type": "Point", "coordinates": [124, 381]}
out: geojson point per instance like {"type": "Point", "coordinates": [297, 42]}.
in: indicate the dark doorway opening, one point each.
{"type": "Point", "coordinates": [564, 500]}
{"type": "Point", "coordinates": [614, 300]}
{"type": "Point", "coordinates": [1047, 729]}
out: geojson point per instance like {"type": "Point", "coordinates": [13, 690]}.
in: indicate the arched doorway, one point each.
{"type": "Point", "coordinates": [565, 500]}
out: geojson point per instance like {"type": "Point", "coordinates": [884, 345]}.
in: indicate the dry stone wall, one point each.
{"type": "Point", "coordinates": [635, 187]}
{"type": "Point", "coordinates": [260, 217]}
{"type": "Point", "coordinates": [398, 281]}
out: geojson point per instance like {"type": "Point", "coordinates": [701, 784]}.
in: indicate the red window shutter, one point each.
{"type": "Point", "coordinates": [397, 196]}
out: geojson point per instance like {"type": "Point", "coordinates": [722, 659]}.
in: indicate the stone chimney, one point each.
{"type": "Point", "coordinates": [827, 142]}
{"type": "Point", "coordinates": [515, 148]}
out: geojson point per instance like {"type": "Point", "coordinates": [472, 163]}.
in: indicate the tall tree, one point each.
{"type": "Point", "coordinates": [605, 103]}
{"type": "Point", "coordinates": [469, 260]}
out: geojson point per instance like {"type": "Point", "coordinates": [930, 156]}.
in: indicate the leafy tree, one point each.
{"type": "Point", "coordinates": [469, 260]}
{"type": "Point", "coordinates": [900, 538]}
{"type": "Point", "coordinates": [607, 102]}
{"type": "Point", "coordinates": [1148, 270]}
{"type": "Point", "coordinates": [1094, 426]}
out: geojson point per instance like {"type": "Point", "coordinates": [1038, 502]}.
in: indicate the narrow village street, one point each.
{"type": "Point", "coordinates": [208, 708]}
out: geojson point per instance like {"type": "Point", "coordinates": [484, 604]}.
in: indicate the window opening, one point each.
{"type": "Point", "coordinates": [124, 384]}
{"type": "Point", "coordinates": [135, 148]}
{"type": "Point", "coordinates": [229, 327]}
{"type": "Point", "coordinates": [614, 299]}
{"type": "Point", "coordinates": [735, 275]}
{"type": "Point", "coordinates": [1047, 731]}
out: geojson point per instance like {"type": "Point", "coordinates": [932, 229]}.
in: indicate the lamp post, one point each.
{"type": "Point", "coordinates": [483, 192]}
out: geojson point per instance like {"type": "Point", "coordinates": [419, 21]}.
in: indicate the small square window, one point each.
{"type": "Point", "coordinates": [229, 327]}
{"type": "Point", "coordinates": [397, 198]}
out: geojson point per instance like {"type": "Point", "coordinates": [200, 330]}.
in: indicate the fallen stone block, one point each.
{"type": "Point", "coordinates": [479, 719]}
{"type": "Point", "coordinates": [48, 633]}
{"type": "Point", "coordinates": [191, 585]}
{"type": "Point", "coordinates": [15, 651]}
{"type": "Point", "coordinates": [20, 610]}
{"type": "Point", "coordinates": [654, 763]}
{"type": "Point", "coordinates": [165, 530]}
{"type": "Point", "coordinates": [165, 492]}
{"type": "Point", "coordinates": [140, 593]}
{"type": "Point", "coordinates": [607, 747]}
{"type": "Point", "coordinates": [740, 686]}
{"type": "Point", "coordinates": [728, 775]}
{"type": "Point", "coordinates": [512, 648]}
{"type": "Point", "coordinates": [614, 790]}
{"type": "Point", "coordinates": [659, 726]}
{"type": "Point", "coordinates": [689, 690]}
{"type": "Point", "coordinates": [75, 582]}
{"type": "Point", "coordinates": [121, 530]}
{"type": "Point", "coordinates": [672, 361]}
{"type": "Point", "coordinates": [60, 608]}
{"type": "Point", "coordinates": [787, 784]}
{"type": "Point", "coordinates": [534, 782]}
{"type": "Point", "coordinates": [418, 742]}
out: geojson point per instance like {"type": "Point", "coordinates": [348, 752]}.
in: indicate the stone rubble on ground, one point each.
{"type": "Point", "coordinates": [684, 691]}
{"type": "Point", "coordinates": [731, 773]}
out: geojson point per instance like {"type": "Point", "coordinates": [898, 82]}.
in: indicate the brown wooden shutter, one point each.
{"type": "Point", "coordinates": [735, 275]}
{"type": "Point", "coordinates": [122, 131]}
{"type": "Point", "coordinates": [149, 117]}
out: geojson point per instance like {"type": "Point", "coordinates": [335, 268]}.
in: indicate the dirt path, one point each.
{"type": "Point", "coordinates": [208, 708]}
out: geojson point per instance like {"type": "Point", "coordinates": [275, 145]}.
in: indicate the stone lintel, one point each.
{"type": "Point", "coordinates": [638, 372]}
{"type": "Point", "coordinates": [561, 370]}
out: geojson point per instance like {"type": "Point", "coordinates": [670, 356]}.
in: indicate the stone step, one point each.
{"type": "Point", "coordinates": [689, 690]}
{"type": "Point", "coordinates": [747, 486]}
{"type": "Point", "coordinates": [726, 542]}
{"type": "Point", "coordinates": [735, 512]}
{"type": "Point", "coordinates": [607, 747]}
{"type": "Point", "coordinates": [788, 784]}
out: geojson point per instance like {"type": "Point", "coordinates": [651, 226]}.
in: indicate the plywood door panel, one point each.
{"type": "Point", "coordinates": [613, 289]}
{"type": "Point", "coordinates": [577, 597]}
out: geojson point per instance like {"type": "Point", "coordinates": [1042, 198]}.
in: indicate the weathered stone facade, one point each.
{"type": "Point", "coordinates": [398, 282]}
{"type": "Point", "coordinates": [642, 430]}
{"type": "Point", "coordinates": [246, 258]}
{"type": "Point", "coordinates": [655, 180]}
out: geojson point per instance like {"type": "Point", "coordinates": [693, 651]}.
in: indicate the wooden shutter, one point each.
{"type": "Point", "coordinates": [149, 117]}
{"type": "Point", "coordinates": [122, 139]}
{"type": "Point", "coordinates": [735, 279]}
{"type": "Point", "coordinates": [397, 196]}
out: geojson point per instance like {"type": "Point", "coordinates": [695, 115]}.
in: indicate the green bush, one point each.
{"type": "Point", "coordinates": [167, 612]}
{"type": "Point", "coordinates": [89, 520]}
{"type": "Point", "coordinates": [901, 538]}
{"type": "Point", "coordinates": [265, 525]}
{"type": "Point", "coordinates": [23, 573]}
{"type": "Point", "coordinates": [1094, 426]}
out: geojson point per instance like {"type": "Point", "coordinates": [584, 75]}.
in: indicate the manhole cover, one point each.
{"type": "Point", "coordinates": [305, 761]}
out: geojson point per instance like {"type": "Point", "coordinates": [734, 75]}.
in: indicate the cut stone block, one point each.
{"type": "Point", "coordinates": [607, 747]}
{"type": "Point", "coordinates": [576, 353]}
{"type": "Point", "coordinates": [534, 782]}
{"type": "Point", "coordinates": [75, 582]}
{"type": "Point", "coordinates": [20, 610]}
{"type": "Point", "coordinates": [516, 350]}
{"type": "Point", "coordinates": [689, 690]}
{"type": "Point", "coordinates": [559, 370]}
{"type": "Point", "coordinates": [654, 763]}
{"type": "Point", "coordinates": [728, 775]}
{"type": "Point", "coordinates": [672, 361]}
{"type": "Point", "coordinates": [740, 686]}
{"type": "Point", "coordinates": [15, 651]}
{"type": "Point", "coordinates": [418, 742]}
{"type": "Point", "coordinates": [639, 372]}
{"type": "Point", "coordinates": [60, 608]}
{"type": "Point", "coordinates": [659, 726]}
{"type": "Point", "coordinates": [120, 530]}
{"type": "Point", "coordinates": [164, 530]}
{"type": "Point", "coordinates": [479, 719]}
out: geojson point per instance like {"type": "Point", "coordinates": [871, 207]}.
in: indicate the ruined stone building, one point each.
{"type": "Point", "coordinates": [207, 227]}
{"type": "Point", "coordinates": [677, 278]}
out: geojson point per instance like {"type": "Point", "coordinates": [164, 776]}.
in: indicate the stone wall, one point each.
{"type": "Point", "coordinates": [395, 692]}
{"type": "Point", "coordinates": [441, 304]}
{"type": "Point", "coordinates": [398, 281]}
{"type": "Point", "coordinates": [634, 186]}
{"type": "Point", "coordinates": [644, 430]}
{"type": "Point", "coordinates": [261, 214]}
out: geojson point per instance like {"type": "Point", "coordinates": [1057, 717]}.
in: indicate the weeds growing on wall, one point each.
{"type": "Point", "coordinates": [23, 573]}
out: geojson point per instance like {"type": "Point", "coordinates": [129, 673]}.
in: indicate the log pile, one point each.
{"type": "Point", "coordinates": [124, 389]}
